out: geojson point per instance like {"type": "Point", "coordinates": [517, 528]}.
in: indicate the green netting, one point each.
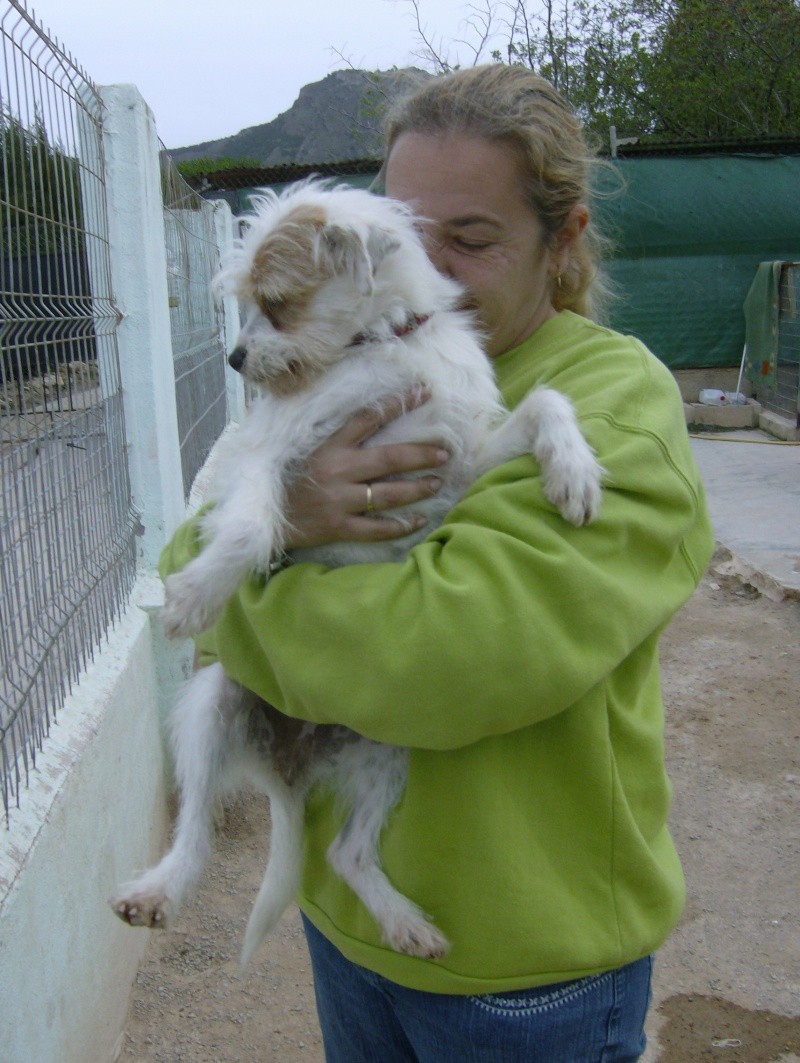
{"type": "Point", "coordinates": [689, 235]}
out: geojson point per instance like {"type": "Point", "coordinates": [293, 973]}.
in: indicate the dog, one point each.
{"type": "Point", "coordinates": [342, 309]}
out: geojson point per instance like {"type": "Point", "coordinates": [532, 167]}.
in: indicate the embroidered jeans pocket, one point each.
{"type": "Point", "coordinates": [544, 998]}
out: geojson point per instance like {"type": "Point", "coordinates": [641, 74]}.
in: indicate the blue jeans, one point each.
{"type": "Point", "coordinates": [367, 1019]}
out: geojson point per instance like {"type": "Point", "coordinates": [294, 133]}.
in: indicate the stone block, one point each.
{"type": "Point", "coordinates": [744, 416]}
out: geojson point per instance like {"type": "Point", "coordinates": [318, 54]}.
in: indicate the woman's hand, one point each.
{"type": "Point", "coordinates": [331, 502]}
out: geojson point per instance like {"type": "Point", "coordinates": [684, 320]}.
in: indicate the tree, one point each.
{"type": "Point", "coordinates": [596, 52]}
{"type": "Point", "coordinates": [728, 69]}
{"type": "Point", "coordinates": [688, 69]}
{"type": "Point", "coordinates": [39, 190]}
{"type": "Point", "coordinates": [481, 23]}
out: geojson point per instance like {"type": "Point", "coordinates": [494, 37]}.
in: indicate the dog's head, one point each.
{"type": "Point", "coordinates": [304, 272]}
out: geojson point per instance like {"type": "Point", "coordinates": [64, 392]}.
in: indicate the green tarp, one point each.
{"type": "Point", "coordinates": [690, 234]}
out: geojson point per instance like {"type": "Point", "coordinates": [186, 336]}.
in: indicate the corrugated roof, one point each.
{"type": "Point", "coordinates": [752, 146]}
{"type": "Point", "coordinates": [258, 176]}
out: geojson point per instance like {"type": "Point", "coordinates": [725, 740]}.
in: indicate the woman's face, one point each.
{"type": "Point", "coordinates": [479, 229]}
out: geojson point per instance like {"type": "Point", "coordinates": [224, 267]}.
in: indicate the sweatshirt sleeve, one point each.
{"type": "Point", "coordinates": [505, 615]}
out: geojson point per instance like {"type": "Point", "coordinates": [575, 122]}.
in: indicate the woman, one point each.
{"type": "Point", "coordinates": [514, 654]}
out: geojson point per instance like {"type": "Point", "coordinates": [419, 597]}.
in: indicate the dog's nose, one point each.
{"type": "Point", "coordinates": [237, 357]}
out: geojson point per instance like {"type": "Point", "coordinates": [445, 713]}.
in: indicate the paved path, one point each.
{"type": "Point", "coordinates": [753, 485]}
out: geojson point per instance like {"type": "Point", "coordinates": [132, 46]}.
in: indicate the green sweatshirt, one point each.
{"type": "Point", "coordinates": [518, 657]}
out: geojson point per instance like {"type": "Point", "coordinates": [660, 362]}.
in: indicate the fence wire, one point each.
{"type": "Point", "coordinates": [197, 346]}
{"type": "Point", "coordinates": [67, 527]}
{"type": "Point", "coordinates": [786, 396]}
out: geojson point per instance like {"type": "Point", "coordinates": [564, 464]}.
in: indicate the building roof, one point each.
{"type": "Point", "coordinates": [258, 176]}
{"type": "Point", "coordinates": [654, 145]}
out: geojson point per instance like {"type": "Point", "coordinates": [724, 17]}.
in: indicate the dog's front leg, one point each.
{"type": "Point", "coordinates": [195, 596]}
{"type": "Point", "coordinates": [201, 734]}
{"type": "Point", "coordinates": [544, 424]}
{"type": "Point", "coordinates": [241, 536]}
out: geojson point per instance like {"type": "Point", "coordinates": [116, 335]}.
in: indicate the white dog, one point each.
{"type": "Point", "coordinates": [344, 309]}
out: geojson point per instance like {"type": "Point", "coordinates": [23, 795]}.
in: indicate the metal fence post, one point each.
{"type": "Point", "coordinates": [139, 276]}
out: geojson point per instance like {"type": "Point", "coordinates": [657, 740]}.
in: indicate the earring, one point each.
{"type": "Point", "coordinates": [558, 280]}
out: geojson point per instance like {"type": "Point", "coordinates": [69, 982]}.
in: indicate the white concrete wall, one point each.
{"type": "Point", "coordinates": [94, 811]}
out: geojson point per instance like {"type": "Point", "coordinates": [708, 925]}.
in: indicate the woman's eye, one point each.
{"type": "Point", "coordinates": [471, 245]}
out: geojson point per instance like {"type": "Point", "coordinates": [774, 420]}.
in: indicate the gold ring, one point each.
{"type": "Point", "coordinates": [370, 506]}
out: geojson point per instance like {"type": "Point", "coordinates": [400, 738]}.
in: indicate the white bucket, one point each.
{"type": "Point", "coordinates": [718, 397]}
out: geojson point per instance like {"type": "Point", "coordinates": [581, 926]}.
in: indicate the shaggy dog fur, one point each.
{"type": "Point", "coordinates": [343, 310]}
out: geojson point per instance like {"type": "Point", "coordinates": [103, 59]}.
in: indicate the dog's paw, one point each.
{"type": "Point", "coordinates": [416, 936]}
{"type": "Point", "coordinates": [187, 609]}
{"type": "Point", "coordinates": [575, 487]}
{"type": "Point", "coordinates": [142, 908]}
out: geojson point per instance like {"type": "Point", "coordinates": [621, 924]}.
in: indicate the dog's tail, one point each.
{"type": "Point", "coordinates": [284, 867]}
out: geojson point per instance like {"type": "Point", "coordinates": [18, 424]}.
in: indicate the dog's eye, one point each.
{"type": "Point", "coordinates": [285, 313]}
{"type": "Point", "coordinates": [273, 309]}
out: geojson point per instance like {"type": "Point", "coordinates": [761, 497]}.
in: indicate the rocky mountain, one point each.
{"type": "Point", "coordinates": [334, 119]}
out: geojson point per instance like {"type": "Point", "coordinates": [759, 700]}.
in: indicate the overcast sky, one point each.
{"type": "Point", "coordinates": [209, 70]}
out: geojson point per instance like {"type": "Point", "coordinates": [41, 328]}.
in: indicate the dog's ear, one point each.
{"type": "Point", "coordinates": [344, 251]}
{"type": "Point", "coordinates": [380, 243]}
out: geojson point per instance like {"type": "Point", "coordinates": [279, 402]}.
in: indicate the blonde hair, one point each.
{"type": "Point", "coordinates": [513, 105]}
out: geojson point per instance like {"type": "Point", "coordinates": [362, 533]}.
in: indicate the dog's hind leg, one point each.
{"type": "Point", "coordinates": [201, 727]}
{"type": "Point", "coordinates": [284, 866]}
{"type": "Point", "coordinates": [375, 785]}
{"type": "Point", "coordinates": [545, 423]}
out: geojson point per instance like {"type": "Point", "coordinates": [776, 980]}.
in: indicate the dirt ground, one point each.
{"type": "Point", "coordinates": [728, 982]}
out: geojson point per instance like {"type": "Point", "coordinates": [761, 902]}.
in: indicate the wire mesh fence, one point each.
{"type": "Point", "coordinates": [785, 398]}
{"type": "Point", "coordinates": [197, 347]}
{"type": "Point", "coordinates": [66, 522]}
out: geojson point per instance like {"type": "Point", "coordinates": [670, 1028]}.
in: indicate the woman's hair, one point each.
{"type": "Point", "coordinates": [513, 105]}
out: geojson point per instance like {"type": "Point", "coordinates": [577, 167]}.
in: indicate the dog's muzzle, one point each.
{"type": "Point", "coordinates": [237, 357]}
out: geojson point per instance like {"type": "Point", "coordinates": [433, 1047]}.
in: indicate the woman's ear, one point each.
{"type": "Point", "coordinates": [576, 222]}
